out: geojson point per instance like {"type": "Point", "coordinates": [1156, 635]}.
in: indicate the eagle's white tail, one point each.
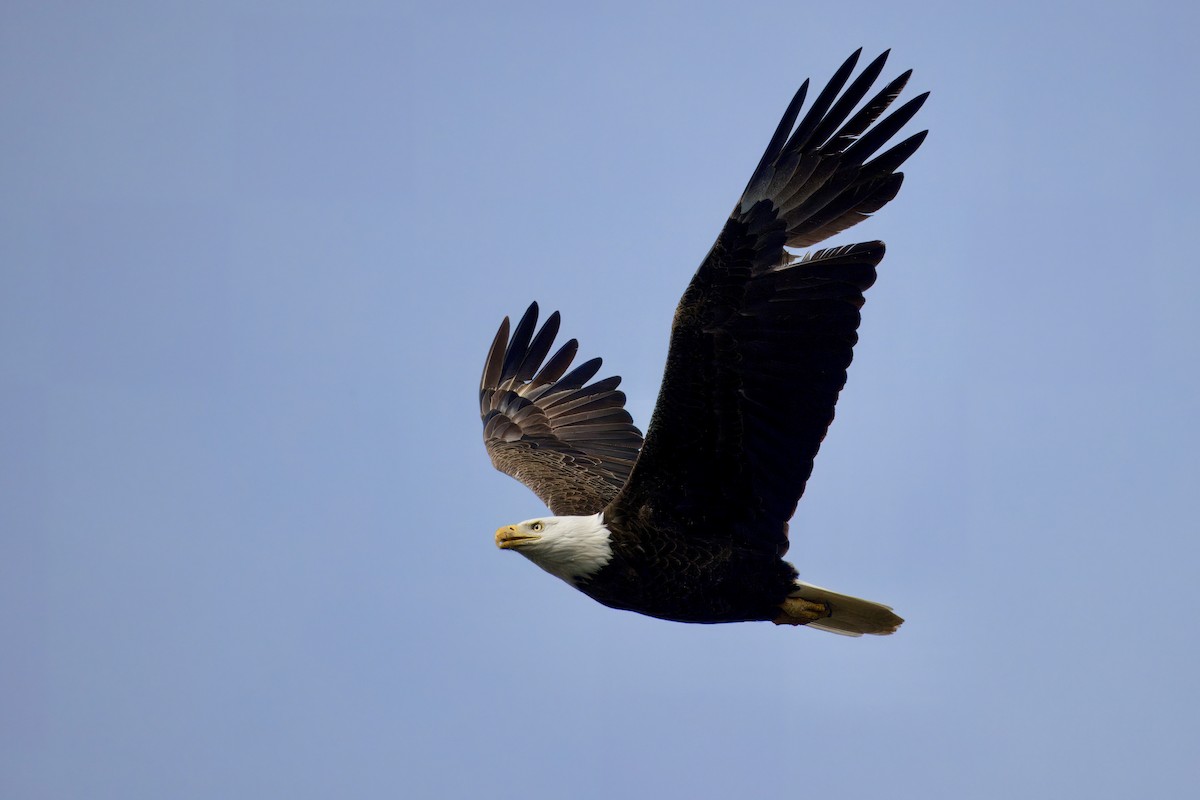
{"type": "Point", "coordinates": [849, 616]}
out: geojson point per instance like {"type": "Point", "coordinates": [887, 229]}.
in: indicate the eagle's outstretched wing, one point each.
{"type": "Point", "coordinates": [571, 442]}
{"type": "Point", "coordinates": [761, 341]}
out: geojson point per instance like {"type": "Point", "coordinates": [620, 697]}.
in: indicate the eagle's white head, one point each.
{"type": "Point", "coordinates": [571, 548]}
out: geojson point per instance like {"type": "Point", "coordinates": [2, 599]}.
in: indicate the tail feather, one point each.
{"type": "Point", "coordinates": [849, 616]}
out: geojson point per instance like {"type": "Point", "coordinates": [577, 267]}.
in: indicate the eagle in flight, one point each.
{"type": "Point", "coordinates": [690, 523]}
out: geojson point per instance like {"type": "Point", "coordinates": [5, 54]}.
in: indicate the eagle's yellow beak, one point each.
{"type": "Point", "coordinates": [508, 537]}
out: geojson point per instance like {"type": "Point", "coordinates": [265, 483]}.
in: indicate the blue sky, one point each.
{"type": "Point", "coordinates": [251, 258]}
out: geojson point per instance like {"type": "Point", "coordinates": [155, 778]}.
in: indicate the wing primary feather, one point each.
{"type": "Point", "coordinates": [557, 364]}
{"type": "Point", "coordinates": [581, 374]}
{"type": "Point", "coordinates": [821, 105]}
{"type": "Point", "coordinates": [872, 109]}
{"type": "Point", "coordinates": [519, 342]}
{"type": "Point", "coordinates": [492, 366]}
{"type": "Point", "coordinates": [538, 348]}
{"type": "Point", "coordinates": [875, 138]}
{"type": "Point", "coordinates": [892, 158]}
{"type": "Point", "coordinates": [783, 129]}
{"type": "Point", "coordinates": [850, 98]}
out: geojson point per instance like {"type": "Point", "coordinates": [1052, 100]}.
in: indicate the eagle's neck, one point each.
{"type": "Point", "coordinates": [572, 548]}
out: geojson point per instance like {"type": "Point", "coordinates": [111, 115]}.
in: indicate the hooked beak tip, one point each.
{"type": "Point", "coordinates": [509, 537]}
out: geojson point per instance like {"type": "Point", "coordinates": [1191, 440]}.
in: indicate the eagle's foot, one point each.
{"type": "Point", "coordinates": [798, 611]}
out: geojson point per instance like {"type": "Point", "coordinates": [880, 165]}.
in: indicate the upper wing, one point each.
{"type": "Point", "coordinates": [572, 444]}
{"type": "Point", "coordinates": [761, 341]}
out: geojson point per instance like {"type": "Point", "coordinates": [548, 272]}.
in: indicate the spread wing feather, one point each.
{"type": "Point", "coordinates": [571, 442]}
{"type": "Point", "coordinates": [761, 340]}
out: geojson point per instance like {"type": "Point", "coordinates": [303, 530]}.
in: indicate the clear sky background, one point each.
{"type": "Point", "coordinates": [252, 255]}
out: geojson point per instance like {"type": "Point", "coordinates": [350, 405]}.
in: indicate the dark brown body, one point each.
{"type": "Point", "coordinates": [700, 581]}
{"type": "Point", "coordinates": [692, 578]}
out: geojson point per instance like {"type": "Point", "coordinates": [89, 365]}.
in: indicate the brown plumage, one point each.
{"type": "Point", "coordinates": [572, 444]}
{"type": "Point", "coordinates": [696, 517]}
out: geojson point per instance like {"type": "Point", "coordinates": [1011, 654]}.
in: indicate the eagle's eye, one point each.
{"type": "Point", "coordinates": [537, 526]}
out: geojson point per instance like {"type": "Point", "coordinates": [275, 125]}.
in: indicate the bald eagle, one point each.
{"type": "Point", "coordinates": [691, 523]}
